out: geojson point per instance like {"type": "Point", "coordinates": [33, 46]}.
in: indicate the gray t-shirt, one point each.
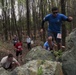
{"type": "Point", "coordinates": [5, 63]}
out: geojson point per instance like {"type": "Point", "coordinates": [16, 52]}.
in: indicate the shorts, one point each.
{"type": "Point", "coordinates": [18, 53]}
{"type": "Point", "coordinates": [54, 36]}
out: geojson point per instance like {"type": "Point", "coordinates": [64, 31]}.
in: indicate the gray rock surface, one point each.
{"type": "Point", "coordinates": [69, 57]}
{"type": "Point", "coordinates": [38, 62]}
{"type": "Point", "coordinates": [39, 67]}
{"type": "Point", "coordinates": [39, 53]}
{"type": "Point", "coordinates": [4, 72]}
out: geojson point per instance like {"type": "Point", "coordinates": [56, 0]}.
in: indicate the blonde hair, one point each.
{"type": "Point", "coordinates": [49, 38]}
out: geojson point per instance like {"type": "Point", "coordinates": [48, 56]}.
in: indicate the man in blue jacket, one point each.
{"type": "Point", "coordinates": [54, 24]}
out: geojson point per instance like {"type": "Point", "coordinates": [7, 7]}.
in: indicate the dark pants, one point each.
{"type": "Point", "coordinates": [18, 53]}
{"type": "Point", "coordinates": [29, 45]}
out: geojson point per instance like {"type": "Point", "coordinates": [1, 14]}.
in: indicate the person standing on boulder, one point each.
{"type": "Point", "coordinates": [55, 23]}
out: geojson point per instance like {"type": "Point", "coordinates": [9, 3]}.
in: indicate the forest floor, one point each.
{"type": "Point", "coordinates": [7, 47]}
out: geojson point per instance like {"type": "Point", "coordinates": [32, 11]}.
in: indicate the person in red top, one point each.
{"type": "Point", "coordinates": [18, 48]}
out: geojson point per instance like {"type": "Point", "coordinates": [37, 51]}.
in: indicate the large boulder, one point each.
{"type": "Point", "coordinates": [4, 72]}
{"type": "Point", "coordinates": [39, 67]}
{"type": "Point", "coordinates": [39, 53]}
{"type": "Point", "coordinates": [38, 62]}
{"type": "Point", "coordinates": [69, 57]}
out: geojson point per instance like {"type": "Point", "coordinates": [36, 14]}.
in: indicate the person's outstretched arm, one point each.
{"type": "Point", "coordinates": [65, 18]}
{"type": "Point", "coordinates": [69, 19]}
{"type": "Point", "coordinates": [42, 26]}
{"type": "Point", "coordinates": [43, 21]}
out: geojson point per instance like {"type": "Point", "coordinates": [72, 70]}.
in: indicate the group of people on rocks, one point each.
{"type": "Point", "coordinates": [53, 41]}
{"type": "Point", "coordinates": [18, 46]}
{"type": "Point", "coordinates": [9, 61]}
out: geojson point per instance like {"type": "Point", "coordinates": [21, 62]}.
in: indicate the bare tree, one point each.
{"type": "Point", "coordinates": [63, 24]}
{"type": "Point", "coordinates": [28, 25]}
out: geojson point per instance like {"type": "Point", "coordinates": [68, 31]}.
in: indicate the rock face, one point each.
{"type": "Point", "coordinates": [69, 57]}
{"type": "Point", "coordinates": [39, 53]}
{"type": "Point", "coordinates": [4, 72]}
{"type": "Point", "coordinates": [39, 67]}
{"type": "Point", "coordinates": [38, 62]}
{"type": "Point", "coordinates": [36, 67]}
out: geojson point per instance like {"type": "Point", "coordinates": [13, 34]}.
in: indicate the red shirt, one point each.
{"type": "Point", "coordinates": [18, 46]}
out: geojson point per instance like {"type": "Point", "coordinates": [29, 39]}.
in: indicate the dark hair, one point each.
{"type": "Point", "coordinates": [10, 55]}
{"type": "Point", "coordinates": [54, 8]}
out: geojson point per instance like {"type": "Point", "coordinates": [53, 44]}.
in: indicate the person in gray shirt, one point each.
{"type": "Point", "coordinates": [9, 62]}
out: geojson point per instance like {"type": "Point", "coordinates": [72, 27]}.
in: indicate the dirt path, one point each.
{"type": "Point", "coordinates": [24, 53]}
{"type": "Point", "coordinates": [7, 47]}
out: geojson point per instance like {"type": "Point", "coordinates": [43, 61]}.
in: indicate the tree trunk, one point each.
{"type": "Point", "coordinates": [63, 24]}
{"type": "Point", "coordinates": [4, 19]}
{"type": "Point", "coordinates": [28, 26]}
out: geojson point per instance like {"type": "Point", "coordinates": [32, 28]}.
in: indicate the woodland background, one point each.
{"type": "Point", "coordinates": [24, 17]}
